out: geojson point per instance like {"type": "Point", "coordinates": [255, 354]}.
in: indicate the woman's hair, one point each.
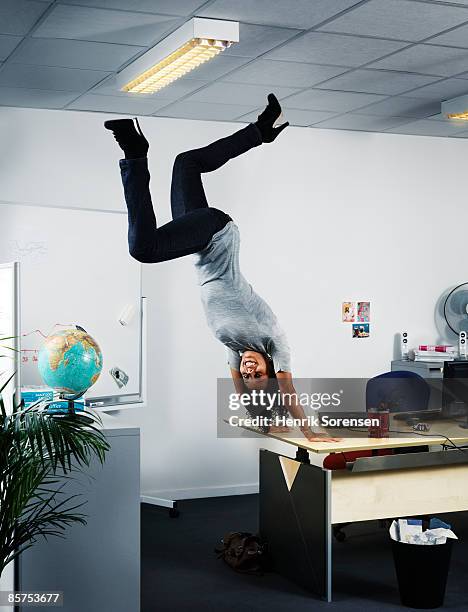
{"type": "Point", "coordinates": [272, 379]}
{"type": "Point", "coordinates": [270, 366]}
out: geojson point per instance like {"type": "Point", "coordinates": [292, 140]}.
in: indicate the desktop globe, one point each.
{"type": "Point", "coordinates": [70, 361]}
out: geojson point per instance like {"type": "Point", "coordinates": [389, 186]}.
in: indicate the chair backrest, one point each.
{"type": "Point", "coordinates": [399, 391]}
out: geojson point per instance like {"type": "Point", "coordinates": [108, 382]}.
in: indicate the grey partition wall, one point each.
{"type": "Point", "coordinates": [97, 567]}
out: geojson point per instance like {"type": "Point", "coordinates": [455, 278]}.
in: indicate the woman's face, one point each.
{"type": "Point", "coordinates": [254, 370]}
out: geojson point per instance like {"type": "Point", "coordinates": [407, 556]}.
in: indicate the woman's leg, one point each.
{"type": "Point", "coordinates": [142, 227]}
{"type": "Point", "coordinates": [194, 223]}
{"type": "Point", "coordinates": [147, 242]}
{"type": "Point", "coordinates": [187, 193]}
{"type": "Point", "coordinates": [151, 244]}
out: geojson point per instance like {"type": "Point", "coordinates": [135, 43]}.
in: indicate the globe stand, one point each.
{"type": "Point", "coordinates": [71, 407]}
{"type": "Point", "coordinates": [71, 402]}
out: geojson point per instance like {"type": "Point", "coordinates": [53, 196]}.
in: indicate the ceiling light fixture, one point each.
{"type": "Point", "coordinates": [457, 108]}
{"type": "Point", "coordinates": [190, 46]}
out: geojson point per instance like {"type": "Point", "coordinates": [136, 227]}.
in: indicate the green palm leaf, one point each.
{"type": "Point", "coordinates": [40, 455]}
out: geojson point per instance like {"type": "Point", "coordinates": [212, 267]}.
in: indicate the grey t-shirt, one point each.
{"type": "Point", "coordinates": [238, 316]}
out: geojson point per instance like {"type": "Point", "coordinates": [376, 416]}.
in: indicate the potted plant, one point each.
{"type": "Point", "coordinates": [40, 452]}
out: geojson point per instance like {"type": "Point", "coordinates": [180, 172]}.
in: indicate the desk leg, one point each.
{"type": "Point", "coordinates": [295, 520]}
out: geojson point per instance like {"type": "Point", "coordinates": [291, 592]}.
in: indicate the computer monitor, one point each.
{"type": "Point", "coordinates": [455, 389]}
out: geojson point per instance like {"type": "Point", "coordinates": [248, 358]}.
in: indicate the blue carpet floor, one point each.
{"type": "Point", "coordinates": [180, 571]}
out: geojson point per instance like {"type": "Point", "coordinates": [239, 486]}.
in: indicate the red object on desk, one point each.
{"type": "Point", "coordinates": [338, 461]}
{"type": "Point", "coordinates": [380, 430]}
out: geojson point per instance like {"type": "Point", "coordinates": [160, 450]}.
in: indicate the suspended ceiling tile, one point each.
{"type": "Point", "coordinates": [17, 17]}
{"type": "Point", "coordinates": [295, 116]}
{"type": "Point", "coordinates": [256, 39]}
{"type": "Point", "coordinates": [463, 125]}
{"type": "Point", "coordinates": [232, 93]}
{"type": "Point", "coordinates": [114, 104]}
{"type": "Point", "coordinates": [74, 53]}
{"type": "Point", "coordinates": [7, 44]}
{"type": "Point", "coordinates": [47, 77]}
{"type": "Point", "coordinates": [289, 74]}
{"type": "Point", "coordinates": [203, 110]}
{"type": "Point", "coordinates": [398, 19]}
{"type": "Point", "coordinates": [437, 117]}
{"type": "Point", "coordinates": [425, 127]}
{"type": "Point", "coordinates": [102, 25]}
{"type": "Point", "coordinates": [35, 98]}
{"type": "Point", "coordinates": [169, 7]}
{"type": "Point", "coordinates": [455, 38]}
{"type": "Point", "coordinates": [302, 14]}
{"type": "Point", "coordinates": [377, 81]}
{"type": "Point", "coordinates": [461, 2]}
{"type": "Point", "coordinates": [335, 49]}
{"type": "Point", "coordinates": [366, 123]}
{"type": "Point", "coordinates": [442, 90]}
{"type": "Point", "coordinates": [333, 101]}
{"type": "Point", "coordinates": [427, 59]}
{"type": "Point", "coordinates": [400, 106]}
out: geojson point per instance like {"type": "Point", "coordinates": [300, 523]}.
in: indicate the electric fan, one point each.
{"type": "Point", "coordinates": [456, 309]}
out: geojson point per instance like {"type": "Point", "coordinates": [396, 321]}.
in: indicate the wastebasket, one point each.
{"type": "Point", "coordinates": [422, 572]}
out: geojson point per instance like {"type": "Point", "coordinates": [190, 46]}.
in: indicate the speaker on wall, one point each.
{"type": "Point", "coordinates": [404, 345]}
{"type": "Point", "coordinates": [462, 348]}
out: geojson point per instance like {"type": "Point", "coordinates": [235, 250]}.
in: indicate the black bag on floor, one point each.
{"type": "Point", "coordinates": [243, 552]}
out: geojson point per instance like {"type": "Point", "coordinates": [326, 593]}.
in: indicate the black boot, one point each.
{"type": "Point", "coordinates": [131, 141]}
{"type": "Point", "coordinates": [266, 120]}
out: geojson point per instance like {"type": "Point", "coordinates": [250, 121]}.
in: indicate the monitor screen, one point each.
{"type": "Point", "coordinates": [455, 388]}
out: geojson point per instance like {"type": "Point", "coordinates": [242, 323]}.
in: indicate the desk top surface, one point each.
{"type": "Point", "coordinates": [438, 433]}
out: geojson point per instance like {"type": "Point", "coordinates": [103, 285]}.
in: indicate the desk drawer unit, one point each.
{"type": "Point", "coordinates": [397, 493]}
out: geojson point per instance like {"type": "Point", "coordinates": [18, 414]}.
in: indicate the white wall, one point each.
{"type": "Point", "coordinates": [325, 216]}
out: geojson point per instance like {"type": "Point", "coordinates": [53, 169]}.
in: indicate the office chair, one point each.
{"type": "Point", "coordinates": [399, 391]}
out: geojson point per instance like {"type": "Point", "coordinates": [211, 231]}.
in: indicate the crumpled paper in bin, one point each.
{"type": "Point", "coordinates": [411, 531]}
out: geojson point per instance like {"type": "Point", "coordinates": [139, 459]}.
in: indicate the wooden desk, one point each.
{"type": "Point", "coordinates": [300, 502]}
{"type": "Point", "coordinates": [361, 441]}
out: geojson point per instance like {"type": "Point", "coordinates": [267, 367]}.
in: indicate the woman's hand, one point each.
{"type": "Point", "coordinates": [318, 437]}
{"type": "Point", "coordinates": [286, 387]}
{"type": "Point", "coordinates": [279, 429]}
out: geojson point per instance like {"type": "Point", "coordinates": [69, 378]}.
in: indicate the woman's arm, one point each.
{"type": "Point", "coordinates": [286, 386]}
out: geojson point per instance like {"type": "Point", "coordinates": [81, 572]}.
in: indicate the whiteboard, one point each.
{"type": "Point", "coordinates": [9, 334]}
{"type": "Point", "coordinates": [76, 270]}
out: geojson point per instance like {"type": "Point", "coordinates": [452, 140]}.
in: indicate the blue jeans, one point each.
{"type": "Point", "coordinates": [193, 222]}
